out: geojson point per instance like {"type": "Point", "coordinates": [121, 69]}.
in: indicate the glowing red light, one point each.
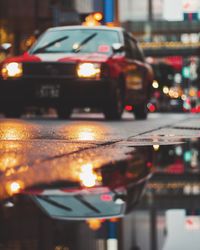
{"type": "Point", "coordinates": [149, 164]}
{"type": "Point", "coordinates": [193, 110]}
{"type": "Point", "coordinates": [151, 107]}
{"type": "Point", "coordinates": [198, 93]}
{"type": "Point", "coordinates": [106, 197]}
{"type": "Point", "coordinates": [190, 16]}
{"type": "Point", "coordinates": [128, 108]}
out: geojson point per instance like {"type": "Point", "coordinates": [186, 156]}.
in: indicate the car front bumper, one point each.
{"type": "Point", "coordinates": [76, 92]}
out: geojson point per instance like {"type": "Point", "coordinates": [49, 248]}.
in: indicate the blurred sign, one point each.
{"type": "Point", "coordinates": [191, 9]}
{"type": "Point", "coordinates": [192, 223]}
{"type": "Point", "coordinates": [191, 6]}
{"type": "Point", "coordinates": [176, 14]}
{"type": "Point", "coordinates": [175, 61]}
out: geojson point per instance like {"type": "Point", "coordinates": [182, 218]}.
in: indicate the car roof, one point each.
{"type": "Point", "coordinates": [102, 27]}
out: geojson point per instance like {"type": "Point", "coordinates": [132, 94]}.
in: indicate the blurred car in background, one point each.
{"type": "Point", "coordinates": [78, 66]}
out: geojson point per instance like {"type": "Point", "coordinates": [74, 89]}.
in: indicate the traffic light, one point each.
{"type": "Point", "coordinates": [186, 72]}
{"type": "Point", "coordinates": [187, 156]}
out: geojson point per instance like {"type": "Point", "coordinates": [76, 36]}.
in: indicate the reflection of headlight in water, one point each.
{"type": "Point", "coordinates": [16, 130]}
{"type": "Point", "coordinates": [156, 147]}
{"type": "Point", "coordinates": [8, 161]}
{"type": "Point", "coordinates": [86, 136]}
{"type": "Point", "coordinates": [87, 177]}
{"type": "Point", "coordinates": [14, 187]}
{"type": "Point", "coordinates": [10, 134]}
{"type": "Point", "coordinates": [85, 131]}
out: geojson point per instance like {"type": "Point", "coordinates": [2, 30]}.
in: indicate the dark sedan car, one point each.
{"type": "Point", "coordinates": [78, 66]}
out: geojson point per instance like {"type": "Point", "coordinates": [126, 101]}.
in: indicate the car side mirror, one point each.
{"type": "Point", "coordinates": [117, 47]}
{"type": "Point", "coordinates": [5, 47]}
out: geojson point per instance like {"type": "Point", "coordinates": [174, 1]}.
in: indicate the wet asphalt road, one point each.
{"type": "Point", "coordinates": [45, 150]}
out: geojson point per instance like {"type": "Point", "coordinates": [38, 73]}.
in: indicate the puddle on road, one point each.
{"type": "Point", "coordinates": [72, 131]}
{"type": "Point", "coordinates": [186, 157]}
{"type": "Point", "coordinates": [27, 157]}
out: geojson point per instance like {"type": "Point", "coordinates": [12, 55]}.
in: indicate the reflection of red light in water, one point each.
{"type": "Point", "coordinates": [106, 197]}
{"type": "Point", "coordinates": [175, 61]}
{"type": "Point", "coordinates": [128, 108]}
{"type": "Point", "coordinates": [195, 109]}
{"type": "Point", "coordinates": [176, 168]}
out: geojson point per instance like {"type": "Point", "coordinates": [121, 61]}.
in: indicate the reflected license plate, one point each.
{"type": "Point", "coordinates": [50, 91]}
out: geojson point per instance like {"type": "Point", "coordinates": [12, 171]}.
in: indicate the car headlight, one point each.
{"type": "Point", "coordinates": [89, 70]}
{"type": "Point", "coordinates": [12, 69]}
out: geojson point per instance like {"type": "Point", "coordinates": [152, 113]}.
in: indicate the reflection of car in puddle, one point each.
{"type": "Point", "coordinates": [118, 189]}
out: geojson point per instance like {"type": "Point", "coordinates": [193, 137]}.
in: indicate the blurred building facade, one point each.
{"type": "Point", "coordinates": [19, 20]}
{"type": "Point", "coordinates": [169, 34]}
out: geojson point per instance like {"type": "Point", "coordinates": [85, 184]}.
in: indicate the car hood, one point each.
{"type": "Point", "coordinates": [60, 57]}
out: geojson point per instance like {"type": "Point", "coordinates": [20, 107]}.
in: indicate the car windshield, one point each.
{"type": "Point", "coordinates": [76, 41]}
{"type": "Point", "coordinates": [80, 206]}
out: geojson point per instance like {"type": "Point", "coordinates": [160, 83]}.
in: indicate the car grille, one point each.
{"type": "Point", "coordinates": [49, 69]}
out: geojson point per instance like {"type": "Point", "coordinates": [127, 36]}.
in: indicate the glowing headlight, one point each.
{"type": "Point", "coordinates": [89, 70]}
{"type": "Point", "coordinates": [12, 69]}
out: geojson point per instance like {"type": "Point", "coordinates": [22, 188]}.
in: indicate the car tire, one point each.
{"type": "Point", "coordinates": [64, 112]}
{"type": "Point", "coordinates": [115, 104]}
{"type": "Point", "coordinates": [140, 111]}
{"type": "Point", "coordinates": [13, 113]}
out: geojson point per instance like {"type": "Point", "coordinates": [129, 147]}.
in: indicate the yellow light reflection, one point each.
{"type": "Point", "coordinates": [85, 132]}
{"type": "Point", "coordinates": [94, 224]}
{"type": "Point", "coordinates": [156, 147]}
{"type": "Point", "coordinates": [87, 177]}
{"type": "Point", "coordinates": [14, 187]}
{"type": "Point", "coordinates": [8, 160]}
{"type": "Point", "coordinates": [11, 134]}
{"type": "Point", "coordinates": [86, 136]}
{"type": "Point", "coordinates": [11, 157]}
{"type": "Point", "coordinates": [13, 131]}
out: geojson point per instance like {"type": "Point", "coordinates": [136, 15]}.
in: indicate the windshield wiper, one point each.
{"type": "Point", "coordinates": [42, 49]}
{"type": "Point", "coordinates": [86, 40]}
{"type": "Point", "coordinates": [87, 204]}
{"type": "Point", "coordinates": [54, 203]}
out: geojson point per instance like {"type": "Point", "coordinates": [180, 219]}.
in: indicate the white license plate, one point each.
{"type": "Point", "coordinates": [51, 91]}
